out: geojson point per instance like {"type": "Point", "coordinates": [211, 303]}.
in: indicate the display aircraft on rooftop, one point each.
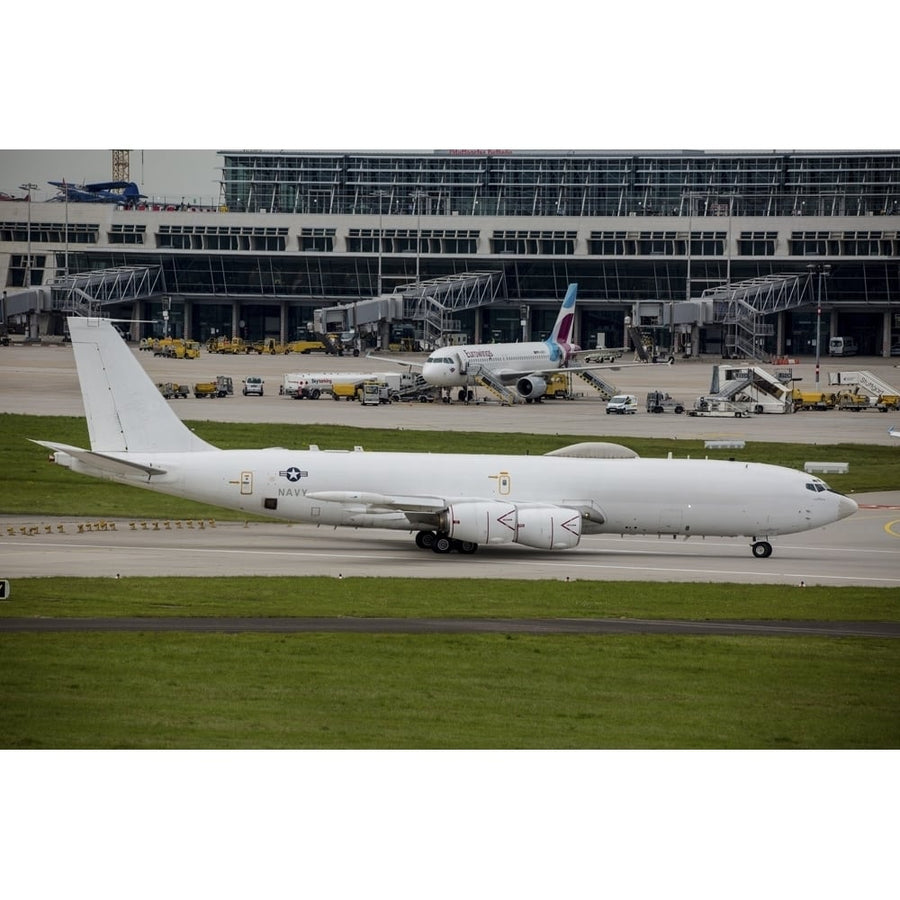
{"type": "Point", "coordinates": [123, 192]}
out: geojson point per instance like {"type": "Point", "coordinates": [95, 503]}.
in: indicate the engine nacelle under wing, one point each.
{"type": "Point", "coordinates": [549, 527]}
{"type": "Point", "coordinates": [532, 386]}
{"type": "Point", "coordinates": [494, 522]}
{"type": "Point", "coordinates": [482, 522]}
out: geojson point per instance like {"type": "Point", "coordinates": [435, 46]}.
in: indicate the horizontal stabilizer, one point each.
{"type": "Point", "coordinates": [111, 464]}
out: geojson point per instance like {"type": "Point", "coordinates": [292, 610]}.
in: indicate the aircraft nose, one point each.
{"type": "Point", "coordinates": [846, 507]}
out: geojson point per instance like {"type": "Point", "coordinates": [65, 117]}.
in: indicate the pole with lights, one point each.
{"type": "Point", "coordinates": [28, 187]}
{"type": "Point", "coordinates": [823, 272]}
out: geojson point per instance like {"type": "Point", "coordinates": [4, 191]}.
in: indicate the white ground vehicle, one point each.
{"type": "Point", "coordinates": [842, 346]}
{"type": "Point", "coordinates": [312, 385]}
{"type": "Point", "coordinates": [253, 386]}
{"type": "Point", "coordinates": [622, 404]}
{"type": "Point", "coordinates": [659, 402]}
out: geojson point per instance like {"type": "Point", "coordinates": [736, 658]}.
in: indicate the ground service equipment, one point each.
{"type": "Point", "coordinates": [660, 402]}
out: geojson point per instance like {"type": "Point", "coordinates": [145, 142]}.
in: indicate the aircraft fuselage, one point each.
{"type": "Point", "coordinates": [459, 366]}
{"type": "Point", "coordinates": [619, 496]}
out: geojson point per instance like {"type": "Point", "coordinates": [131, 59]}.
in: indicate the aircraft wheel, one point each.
{"type": "Point", "coordinates": [425, 539]}
{"type": "Point", "coordinates": [465, 547]}
{"type": "Point", "coordinates": [461, 396]}
{"type": "Point", "coordinates": [762, 549]}
{"type": "Point", "coordinates": [442, 544]}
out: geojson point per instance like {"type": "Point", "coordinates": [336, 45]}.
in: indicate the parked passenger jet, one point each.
{"type": "Point", "coordinates": [524, 366]}
{"type": "Point", "coordinates": [451, 501]}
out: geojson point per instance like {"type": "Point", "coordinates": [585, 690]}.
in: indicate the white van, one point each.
{"type": "Point", "coordinates": [842, 346]}
{"type": "Point", "coordinates": [622, 404]}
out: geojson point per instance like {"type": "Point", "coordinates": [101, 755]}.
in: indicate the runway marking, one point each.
{"type": "Point", "coordinates": [678, 570]}
{"type": "Point", "coordinates": [480, 566]}
{"type": "Point", "coordinates": [690, 551]}
{"type": "Point", "coordinates": [889, 528]}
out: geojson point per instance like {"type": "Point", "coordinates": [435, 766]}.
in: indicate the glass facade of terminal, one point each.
{"type": "Point", "coordinates": [572, 183]}
{"type": "Point", "coordinates": [297, 231]}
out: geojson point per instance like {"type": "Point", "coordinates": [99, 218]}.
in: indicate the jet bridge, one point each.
{"type": "Point", "coordinates": [742, 307]}
{"type": "Point", "coordinates": [83, 294]}
{"type": "Point", "coordinates": [430, 305]}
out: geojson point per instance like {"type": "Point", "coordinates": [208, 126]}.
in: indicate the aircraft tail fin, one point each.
{"type": "Point", "coordinates": [562, 330]}
{"type": "Point", "coordinates": [125, 411]}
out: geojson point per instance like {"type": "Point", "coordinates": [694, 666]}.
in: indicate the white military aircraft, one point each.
{"type": "Point", "coordinates": [525, 366]}
{"type": "Point", "coordinates": [452, 501]}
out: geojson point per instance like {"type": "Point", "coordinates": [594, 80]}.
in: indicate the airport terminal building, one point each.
{"type": "Point", "coordinates": [744, 253]}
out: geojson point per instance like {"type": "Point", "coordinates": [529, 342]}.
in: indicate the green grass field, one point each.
{"type": "Point", "coordinates": [176, 690]}
{"type": "Point", "coordinates": [167, 690]}
{"type": "Point", "coordinates": [430, 691]}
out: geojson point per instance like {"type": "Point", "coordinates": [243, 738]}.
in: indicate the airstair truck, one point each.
{"type": "Point", "coordinates": [882, 396]}
{"type": "Point", "coordinates": [750, 389]}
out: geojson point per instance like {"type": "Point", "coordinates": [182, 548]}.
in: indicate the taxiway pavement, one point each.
{"type": "Point", "coordinates": [41, 380]}
{"type": "Point", "coordinates": [861, 550]}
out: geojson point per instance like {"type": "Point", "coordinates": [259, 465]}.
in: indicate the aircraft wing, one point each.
{"type": "Point", "coordinates": [106, 185]}
{"type": "Point", "coordinates": [613, 366]}
{"type": "Point", "coordinates": [111, 464]}
{"type": "Point", "coordinates": [508, 376]}
{"type": "Point", "coordinates": [395, 361]}
{"type": "Point", "coordinates": [420, 512]}
{"type": "Point", "coordinates": [368, 508]}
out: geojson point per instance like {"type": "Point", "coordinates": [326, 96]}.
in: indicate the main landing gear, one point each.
{"type": "Point", "coordinates": [761, 549]}
{"type": "Point", "coordinates": [441, 543]}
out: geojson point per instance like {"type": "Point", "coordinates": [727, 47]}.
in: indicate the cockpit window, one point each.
{"type": "Point", "coordinates": [440, 359]}
{"type": "Point", "coordinates": [817, 486]}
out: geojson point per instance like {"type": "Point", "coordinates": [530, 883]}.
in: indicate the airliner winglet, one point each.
{"type": "Point", "coordinates": [452, 502]}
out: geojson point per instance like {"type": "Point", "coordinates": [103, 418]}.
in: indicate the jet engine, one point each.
{"type": "Point", "coordinates": [531, 387]}
{"type": "Point", "coordinates": [549, 527]}
{"type": "Point", "coordinates": [493, 522]}
{"type": "Point", "coordinates": [483, 522]}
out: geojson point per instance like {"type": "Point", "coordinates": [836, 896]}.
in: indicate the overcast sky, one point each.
{"type": "Point", "coordinates": [694, 75]}
{"type": "Point", "coordinates": [193, 174]}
